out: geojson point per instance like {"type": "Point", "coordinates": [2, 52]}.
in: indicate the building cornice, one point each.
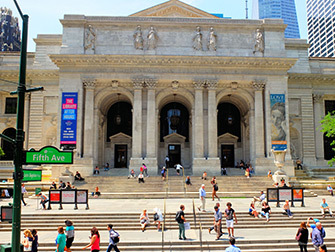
{"type": "Point", "coordinates": [31, 74]}
{"type": "Point", "coordinates": [194, 62]}
{"type": "Point", "coordinates": [311, 77]}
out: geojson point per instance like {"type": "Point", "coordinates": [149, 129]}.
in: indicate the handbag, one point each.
{"type": "Point", "coordinates": [187, 225]}
{"type": "Point", "coordinates": [297, 237]}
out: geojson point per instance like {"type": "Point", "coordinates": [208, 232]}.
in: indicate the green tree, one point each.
{"type": "Point", "coordinates": [1, 152]}
{"type": "Point", "coordinates": [328, 127]}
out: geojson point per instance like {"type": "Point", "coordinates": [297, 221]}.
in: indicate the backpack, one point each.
{"type": "Point", "coordinates": [116, 239]}
{"type": "Point", "coordinates": [178, 217]}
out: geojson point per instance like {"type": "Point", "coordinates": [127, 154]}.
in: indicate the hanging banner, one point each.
{"type": "Point", "coordinates": [278, 122]}
{"type": "Point", "coordinates": [68, 137]}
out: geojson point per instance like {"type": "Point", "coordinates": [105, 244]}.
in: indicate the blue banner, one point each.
{"type": "Point", "coordinates": [68, 135]}
{"type": "Point", "coordinates": [278, 122]}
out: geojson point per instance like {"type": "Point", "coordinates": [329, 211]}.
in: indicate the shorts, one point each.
{"type": "Point", "coordinates": [69, 242]}
{"type": "Point", "coordinates": [230, 223]}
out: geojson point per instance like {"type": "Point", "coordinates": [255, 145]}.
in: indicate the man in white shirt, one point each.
{"type": "Point", "coordinates": [202, 196]}
{"type": "Point", "coordinates": [23, 191]}
{"type": "Point", "coordinates": [261, 197]}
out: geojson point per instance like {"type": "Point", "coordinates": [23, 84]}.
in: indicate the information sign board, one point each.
{"type": "Point", "coordinates": [48, 155]}
{"type": "Point", "coordinates": [32, 175]}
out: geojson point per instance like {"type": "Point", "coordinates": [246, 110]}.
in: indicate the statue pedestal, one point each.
{"type": "Point", "coordinates": [279, 175]}
{"type": "Point", "coordinates": [67, 176]}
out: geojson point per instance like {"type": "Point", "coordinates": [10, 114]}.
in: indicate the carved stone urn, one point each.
{"type": "Point", "coordinates": [279, 161]}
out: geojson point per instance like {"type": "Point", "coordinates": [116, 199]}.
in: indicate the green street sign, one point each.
{"type": "Point", "coordinates": [38, 190]}
{"type": "Point", "coordinates": [48, 155]}
{"type": "Point", "coordinates": [32, 175]}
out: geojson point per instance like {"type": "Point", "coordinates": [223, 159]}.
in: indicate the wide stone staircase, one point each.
{"type": "Point", "coordinates": [127, 224]}
{"type": "Point", "coordinates": [173, 187]}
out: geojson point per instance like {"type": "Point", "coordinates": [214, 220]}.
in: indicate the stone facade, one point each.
{"type": "Point", "coordinates": [110, 60]}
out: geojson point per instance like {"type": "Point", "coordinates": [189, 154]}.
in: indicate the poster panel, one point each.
{"type": "Point", "coordinates": [285, 194]}
{"type": "Point", "coordinates": [297, 194]}
{"type": "Point", "coordinates": [278, 122]}
{"type": "Point", "coordinates": [68, 196]}
{"type": "Point", "coordinates": [68, 137]}
{"type": "Point", "coordinates": [81, 196]}
{"type": "Point", "coordinates": [272, 195]}
{"type": "Point", "coordinates": [54, 196]}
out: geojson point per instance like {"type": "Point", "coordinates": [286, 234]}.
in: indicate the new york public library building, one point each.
{"type": "Point", "coordinates": [173, 80]}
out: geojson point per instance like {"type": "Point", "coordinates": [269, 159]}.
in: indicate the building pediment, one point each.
{"type": "Point", "coordinates": [228, 138]}
{"type": "Point", "coordinates": [120, 137]}
{"type": "Point", "coordinates": [173, 8]}
{"type": "Point", "coordinates": [174, 138]}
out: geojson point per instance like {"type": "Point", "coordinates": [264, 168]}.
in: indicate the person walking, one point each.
{"type": "Point", "coordinates": [302, 237]}
{"type": "Point", "coordinates": [212, 227]}
{"type": "Point", "coordinates": [217, 222]}
{"type": "Point", "coordinates": [34, 246]}
{"type": "Point", "coordinates": [230, 216]}
{"type": "Point", "coordinates": [215, 188]}
{"type": "Point", "coordinates": [60, 240]}
{"type": "Point", "coordinates": [202, 196]}
{"type": "Point", "coordinates": [167, 161]}
{"type": "Point", "coordinates": [145, 170]}
{"type": "Point", "coordinates": [232, 247]}
{"type": "Point", "coordinates": [114, 238]}
{"type": "Point", "coordinates": [318, 234]}
{"type": "Point", "coordinates": [23, 191]}
{"type": "Point", "coordinates": [27, 240]}
{"type": "Point", "coordinates": [69, 231]}
{"type": "Point", "coordinates": [95, 240]}
{"type": "Point", "coordinates": [180, 218]}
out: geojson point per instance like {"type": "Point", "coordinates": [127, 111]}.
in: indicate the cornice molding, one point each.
{"type": "Point", "coordinates": [31, 74]}
{"type": "Point", "coordinates": [199, 62]}
{"type": "Point", "coordinates": [311, 77]}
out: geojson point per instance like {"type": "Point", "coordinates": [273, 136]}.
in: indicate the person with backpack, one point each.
{"type": "Point", "coordinates": [69, 231]}
{"type": "Point", "coordinates": [180, 218]}
{"type": "Point", "coordinates": [317, 236]}
{"type": "Point", "coordinates": [114, 238]}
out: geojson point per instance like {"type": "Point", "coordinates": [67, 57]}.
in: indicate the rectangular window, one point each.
{"type": "Point", "coordinates": [10, 105]}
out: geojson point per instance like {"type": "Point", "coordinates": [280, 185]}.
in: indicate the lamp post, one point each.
{"type": "Point", "coordinates": [19, 138]}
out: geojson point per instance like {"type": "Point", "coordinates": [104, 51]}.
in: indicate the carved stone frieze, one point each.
{"type": "Point", "coordinates": [115, 84]}
{"type": "Point", "coordinates": [150, 83]}
{"type": "Point", "coordinates": [258, 85]}
{"type": "Point", "coordinates": [89, 83]}
{"type": "Point", "coordinates": [138, 83]}
{"type": "Point", "coordinates": [211, 84]}
{"type": "Point", "coordinates": [175, 84]}
{"type": "Point", "coordinates": [199, 84]}
{"type": "Point", "coordinates": [317, 97]}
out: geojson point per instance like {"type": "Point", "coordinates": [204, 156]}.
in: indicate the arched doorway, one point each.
{"type": "Point", "coordinates": [6, 146]}
{"type": "Point", "coordinates": [119, 132]}
{"type": "Point", "coordinates": [229, 133]}
{"type": "Point", "coordinates": [174, 133]}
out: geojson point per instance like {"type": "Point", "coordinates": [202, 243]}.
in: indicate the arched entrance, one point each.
{"type": "Point", "coordinates": [119, 133]}
{"type": "Point", "coordinates": [6, 146]}
{"type": "Point", "coordinates": [174, 133]}
{"type": "Point", "coordinates": [229, 134]}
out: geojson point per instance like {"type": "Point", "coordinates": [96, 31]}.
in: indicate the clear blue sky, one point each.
{"type": "Point", "coordinates": [44, 15]}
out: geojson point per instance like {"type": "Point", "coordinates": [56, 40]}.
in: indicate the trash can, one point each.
{"type": "Point", "coordinates": [8, 248]}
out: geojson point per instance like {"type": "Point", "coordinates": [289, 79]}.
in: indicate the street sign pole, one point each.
{"type": "Point", "coordinates": [21, 90]}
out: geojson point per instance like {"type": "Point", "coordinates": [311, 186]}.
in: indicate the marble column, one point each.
{"type": "Point", "coordinates": [136, 159]}
{"type": "Point", "coordinates": [318, 114]}
{"type": "Point", "coordinates": [151, 119]}
{"type": "Point", "coordinates": [212, 120]}
{"type": "Point", "coordinates": [198, 136]}
{"type": "Point", "coordinates": [89, 86]}
{"type": "Point", "coordinates": [151, 153]}
{"type": "Point", "coordinates": [259, 119]}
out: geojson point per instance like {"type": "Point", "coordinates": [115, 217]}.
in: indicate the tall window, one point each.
{"type": "Point", "coordinates": [10, 105]}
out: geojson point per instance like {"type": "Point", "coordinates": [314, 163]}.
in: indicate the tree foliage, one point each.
{"type": "Point", "coordinates": [328, 127]}
{"type": "Point", "coordinates": [1, 152]}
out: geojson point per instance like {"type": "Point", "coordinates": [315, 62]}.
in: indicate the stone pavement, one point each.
{"type": "Point", "coordinates": [172, 205]}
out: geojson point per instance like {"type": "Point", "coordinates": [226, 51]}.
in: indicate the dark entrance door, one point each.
{"type": "Point", "coordinates": [174, 154]}
{"type": "Point", "coordinates": [120, 156]}
{"type": "Point", "coordinates": [227, 155]}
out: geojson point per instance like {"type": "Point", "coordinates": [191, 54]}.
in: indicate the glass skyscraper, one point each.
{"type": "Point", "coordinates": [283, 9]}
{"type": "Point", "coordinates": [321, 27]}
